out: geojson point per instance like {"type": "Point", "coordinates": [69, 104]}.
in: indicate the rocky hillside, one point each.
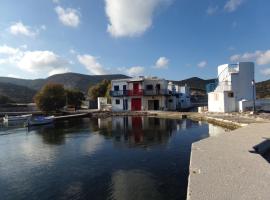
{"type": "Point", "coordinates": [23, 90]}
{"type": "Point", "coordinates": [17, 93]}
{"type": "Point", "coordinates": [263, 89]}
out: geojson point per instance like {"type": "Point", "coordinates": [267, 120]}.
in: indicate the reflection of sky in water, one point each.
{"type": "Point", "coordinates": [119, 158]}
{"type": "Point", "coordinates": [92, 144]}
{"type": "Point", "coordinates": [133, 185]}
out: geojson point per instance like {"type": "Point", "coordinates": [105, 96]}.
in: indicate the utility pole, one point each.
{"type": "Point", "coordinates": [253, 88]}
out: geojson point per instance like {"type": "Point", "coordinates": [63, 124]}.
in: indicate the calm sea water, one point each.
{"type": "Point", "coordinates": [120, 158]}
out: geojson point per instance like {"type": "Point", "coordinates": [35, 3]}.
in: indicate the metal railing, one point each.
{"type": "Point", "coordinates": [224, 86]}
{"type": "Point", "coordinates": [119, 93]}
{"type": "Point", "coordinates": [155, 92]}
{"type": "Point", "coordinates": [135, 92]}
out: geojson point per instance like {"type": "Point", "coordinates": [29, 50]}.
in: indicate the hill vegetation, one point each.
{"type": "Point", "coordinates": [23, 90]}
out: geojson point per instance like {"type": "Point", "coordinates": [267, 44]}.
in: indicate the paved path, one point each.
{"type": "Point", "coordinates": [222, 167]}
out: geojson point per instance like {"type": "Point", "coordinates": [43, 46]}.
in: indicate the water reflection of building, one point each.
{"type": "Point", "coordinates": [215, 130]}
{"type": "Point", "coordinates": [142, 131]}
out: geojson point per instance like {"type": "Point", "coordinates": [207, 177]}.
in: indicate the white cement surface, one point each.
{"type": "Point", "coordinates": [222, 167]}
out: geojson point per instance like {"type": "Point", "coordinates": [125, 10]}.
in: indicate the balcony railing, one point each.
{"type": "Point", "coordinates": [224, 86]}
{"type": "Point", "coordinates": [155, 92]}
{"type": "Point", "coordinates": [119, 93]}
{"type": "Point", "coordinates": [135, 92]}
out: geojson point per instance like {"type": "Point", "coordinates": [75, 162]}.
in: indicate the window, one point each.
{"type": "Point", "coordinates": [170, 100]}
{"type": "Point", "coordinates": [230, 94]}
{"type": "Point", "coordinates": [116, 88]}
{"type": "Point", "coordinates": [124, 87]}
{"type": "Point", "coordinates": [149, 87]}
{"type": "Point", "coordinates": [158, 86]}
{"type": "Point", "coordinates": [117, 101]}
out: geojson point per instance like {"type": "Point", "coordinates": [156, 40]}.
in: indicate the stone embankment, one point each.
{"type": "Point", "coordinates": [227, 167]}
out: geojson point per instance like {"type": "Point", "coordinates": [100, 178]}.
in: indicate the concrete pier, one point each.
{"type": "Point", "coordinates": [226, 166]}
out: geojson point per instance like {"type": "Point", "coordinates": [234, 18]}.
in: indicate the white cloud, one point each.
{"type": "Point", "coordinates": [134, 71]}
{"type": "Point", "coordinates": [41, 60]}
{"type": "Point", "coordinates": [260, 57]}
{"type": "Point", "coordinates": [130, 17]}
{"type": "Point", "coordinates": [69, 16]}
{"type": "Point", "coordinates": [91, 64]}
{"type": "Point", "coordinates": [20, 29]}
{"type": "Point", "coordinates": [13, 76]}
{"type": "Point", "coordinates": [265, 72]}
{"type": "Point", "coordinates": [232, 5]}
{"type": "Point", "coordinates": [7, 50]}
{"type": "Point", "coordinates": [211, 10]}
{"type": "Point", "coordinates": [34, 62]}
{"type": "Point", "coordinates": [162, 63]}
{"type": "Point", "coordinates": [58, 71]}
{"type": "Point", "coordinates": [202, 64]}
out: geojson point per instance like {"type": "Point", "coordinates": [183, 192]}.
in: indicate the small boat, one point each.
{"type": "Point", "coordinates": [39, 120]}
{"type": "Point", "coordinates": [16, 118]}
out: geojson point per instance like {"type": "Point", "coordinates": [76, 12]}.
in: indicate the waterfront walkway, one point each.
{"type": "Point", "coordinates": [226, 166]}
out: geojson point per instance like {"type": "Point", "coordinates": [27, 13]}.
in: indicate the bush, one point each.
{"type": "Point", "coordinates": [51, 98]}
{"type": "Point", "coordinates": [74, 98]}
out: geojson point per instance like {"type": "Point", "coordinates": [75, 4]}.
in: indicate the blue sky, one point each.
{"type": "Point", "coordinates": [173, 39]}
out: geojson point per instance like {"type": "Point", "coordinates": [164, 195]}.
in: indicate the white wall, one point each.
{"type": "Point", "coordinates": [117, 107]}
{"type": "Point", "coordinates": [120, 83]}
{"type": "Point", "coordinates": [215, 102]}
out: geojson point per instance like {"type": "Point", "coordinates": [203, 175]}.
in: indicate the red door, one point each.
{"type": "Point", "coordinates": [136, 104]}
{"type": "Point", "coordinates": [135, 88]}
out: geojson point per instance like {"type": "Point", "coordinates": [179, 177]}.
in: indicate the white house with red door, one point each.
{"type": "Point", "coordinates": [140, 93]}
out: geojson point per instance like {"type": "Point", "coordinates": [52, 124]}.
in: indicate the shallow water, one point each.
{"type": "Point", "coordinates": [115, 158]}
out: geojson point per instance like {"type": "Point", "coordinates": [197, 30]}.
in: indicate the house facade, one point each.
{"type": "Point", "coordinates": [143, 93]}
{"type": "Point", "coordinates": [235, 84]}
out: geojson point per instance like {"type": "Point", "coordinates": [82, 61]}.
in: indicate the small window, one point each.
{"type": "Point", "coordinates": [116, 88]}
{"type": "Point", "coordinates": [149, 87]}
{"type": "Point", "coordinates": [230, 94]}
{"type": "Point", "coordinates": [117, 101]}
{"type": "Point", "coordinates": [124, 87]}
{"type": "Point", "coordinates": [158, 86]}
{"type": "Point", "coordinates": [170, 100]}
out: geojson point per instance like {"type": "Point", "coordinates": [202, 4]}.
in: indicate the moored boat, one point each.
{"type": "Point", "coordinates": [39, 120]}
{"type": "Point", "coordinates": [16, 118]}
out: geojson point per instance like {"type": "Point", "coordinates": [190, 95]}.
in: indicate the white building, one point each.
{"type": "Point", "coordinates": [181, 94]}
{"type": "Point", "coordinates": [140, 93]}
{"type": "Point", "coordinates": [234, 85]}
{"type": "Point", "coordinates": [147, 93]}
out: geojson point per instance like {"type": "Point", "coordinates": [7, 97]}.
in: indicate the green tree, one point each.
{"type": "Point", "coordinates": [51, 98]}
{"type": "Point", "coordinates": [100, 90]}
{"type": "Point", "coordinates": [74, 98]}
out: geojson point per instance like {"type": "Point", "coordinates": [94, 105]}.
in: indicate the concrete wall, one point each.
{"type": "Point", "coordinates": [246, 75]}
{"type": "Point", "coordinates": [162, 101]}
{"type": "Point", "coordinates": [117, 107]}
{"type": "Point", "coordinates": [215, 102]}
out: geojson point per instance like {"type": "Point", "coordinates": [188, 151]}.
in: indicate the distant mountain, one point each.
{"type": "Point", "coordinates": [195, 83]}
{"type": "Point", "coordinates": [69, 80]}
{"type": "Point", "coordinates": [263, 89]}
{"type": "Point", "coordinates": [23, 90]}
{"type": "Point", "coordinates": [17, 93]}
